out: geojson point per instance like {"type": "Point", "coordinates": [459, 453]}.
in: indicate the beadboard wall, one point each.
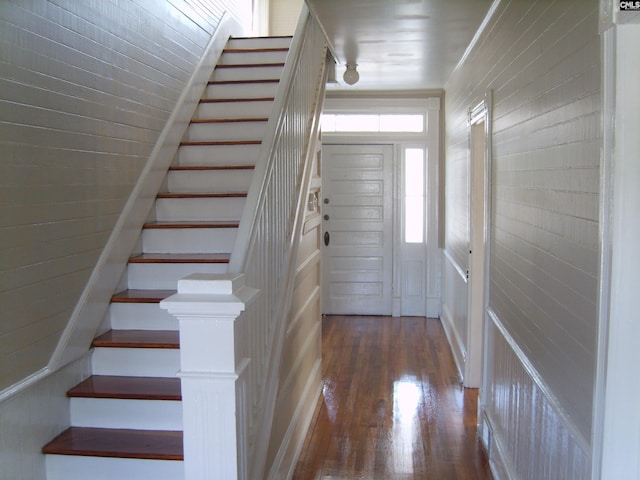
{"type": "Point", "coordinates": [542, 62]}
{"type": "Point", "coordinates": [85, 90]}
{"type": "Point", "coordinates": [300, 371]}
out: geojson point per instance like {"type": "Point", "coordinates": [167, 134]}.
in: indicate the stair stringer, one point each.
{"type": "Point", "coordinates": [94, 301]}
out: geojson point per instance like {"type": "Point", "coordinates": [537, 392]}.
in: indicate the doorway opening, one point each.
{"type": "Point", "coordinates": [380, 207]}
{"type": "Point", "coordinates": [477, 287]}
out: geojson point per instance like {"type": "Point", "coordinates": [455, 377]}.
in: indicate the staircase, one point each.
{"type": "Point", "coordinates": [127, 417]}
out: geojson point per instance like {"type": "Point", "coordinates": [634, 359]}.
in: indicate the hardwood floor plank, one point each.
{"type": "Point", "coordinates": [392, 405]}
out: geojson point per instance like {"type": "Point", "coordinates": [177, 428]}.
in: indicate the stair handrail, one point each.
{"type": "Point", "coordinates": [255, 196]}
{"type": "Point", "coordinates": [266, 244]}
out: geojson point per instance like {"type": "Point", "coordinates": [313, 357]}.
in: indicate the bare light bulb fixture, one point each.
{"type": "Point", "coordinates": [351, 75]}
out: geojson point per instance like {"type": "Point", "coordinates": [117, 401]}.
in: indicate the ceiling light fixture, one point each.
{"type": "Point", "coordinates": [351, 75]}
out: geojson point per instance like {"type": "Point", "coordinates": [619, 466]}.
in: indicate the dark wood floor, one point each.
{"type": "Point", "coordinates": [392, 405]}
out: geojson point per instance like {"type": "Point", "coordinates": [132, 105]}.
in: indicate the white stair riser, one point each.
{"type": "Point", "coordinates": [189, 240]}
{"type": "Point", "coordinates": [71, 467]}
{"type": "Point", "coordinates": [165, 276]}
{"type": "Point", "coordinates": [199, 209]}
{"type": "Point", "coordinates": [141, 316]}
{"type": "Point", "coordinates": [247, 109]}
{"type": "Point", "coordinates": [245, 90]}
{"type": "Point", "coordinates": [221, 181]}
{"type": "Point", "coordinates": [126, 413]}
{"type": "Point", "coordinates": [243, 58]}
{"type": "Point", "coordinates": [258, 42]}
{"type": "Point", "coordinates": [216, 155]}
{"type": "Point", "coordinates": [226, 131]}
{"type": "Point", "coordinates": [136, 362]}
{"type": "Point", "coordinates": [246, 73]}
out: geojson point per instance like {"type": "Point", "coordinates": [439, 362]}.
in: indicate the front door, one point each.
{"type": "Point", "coordinates": [357, 228]}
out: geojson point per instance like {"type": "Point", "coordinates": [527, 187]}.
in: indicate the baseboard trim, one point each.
{"type": "Point", "coordinates": [453, 337]}
{"type": "Point", "coordinates": [501, 468]}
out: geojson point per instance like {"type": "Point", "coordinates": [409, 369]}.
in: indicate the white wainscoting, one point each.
{"type": "Point", "coordinates": [531, 437]}
{"type": "Point", "coordinates": [32, 417]}
{"type": "Point", "coordinates": [454, 308]}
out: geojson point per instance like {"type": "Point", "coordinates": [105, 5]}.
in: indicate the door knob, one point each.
{"type": "Point", "coordinates": [326, 217]}
{"type": "Point", "coordinates": [326, 239]}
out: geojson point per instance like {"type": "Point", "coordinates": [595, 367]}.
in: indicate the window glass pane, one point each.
{"type": "Point", "coordinates": [401, 123]}
{"type": "Point", "coordinates": [357, 123]}
{"type": "Point", "coordinates": [414, 221]}
{"type": "Point", "coordinates": [414, 195]}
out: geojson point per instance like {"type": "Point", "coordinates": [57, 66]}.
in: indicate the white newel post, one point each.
{"type": "Point", "coordinates": [207, 307]}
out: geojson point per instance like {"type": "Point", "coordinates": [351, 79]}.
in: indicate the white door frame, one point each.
{"type": "Point", "coordinates": [479, 218]}
{"type": "Point", "coordinates": [430, 106]}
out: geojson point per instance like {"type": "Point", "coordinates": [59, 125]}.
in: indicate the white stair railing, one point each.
{"type": "Point", "coordinates": [232, 326]}
{"type": "Point", "coordinates": [270, 228]}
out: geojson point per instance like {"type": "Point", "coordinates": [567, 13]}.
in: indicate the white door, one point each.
{"type": "Point", "coordinates": [357, 228]}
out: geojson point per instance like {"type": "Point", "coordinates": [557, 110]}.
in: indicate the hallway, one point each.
{"type": "Point", "coordinates": [392, 405]}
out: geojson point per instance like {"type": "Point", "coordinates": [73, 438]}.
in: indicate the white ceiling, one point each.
{"type": "Point", "coordinates": [399, 44]}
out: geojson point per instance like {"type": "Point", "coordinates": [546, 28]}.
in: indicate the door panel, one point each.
{"type": "Point", "coordinates": [357, 210]}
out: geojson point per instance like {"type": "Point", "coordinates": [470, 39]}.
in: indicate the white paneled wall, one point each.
{"type": "Point", "coordinates": [85, 89]}
{"type": "Point", "coordinates": [542, 62]}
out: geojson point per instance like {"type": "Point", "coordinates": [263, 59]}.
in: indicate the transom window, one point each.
{"type": "Point", "coordinates": [382, 123]}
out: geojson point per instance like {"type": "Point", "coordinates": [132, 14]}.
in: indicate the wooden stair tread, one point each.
{"type": "Point", "coordinates": [132, 388]}
{"type": "Point", "coordinates": [202, 195]}
{"type": "Point", "coordinates": [180, 258]}
{"type": "Point", "coordinates": [169, 339]}
{"type": "Point", "coordinates": [118, 443]}
{"type": "Point", "coordinates": [236, 100]}
{"type": "Point", "coordinates": [229, 120]}
{"type": "Point", "coordinates": [250, 65]}
{"type": "Point", "coordinates": [220, 143]}
{"type": "Point", "coordinates": [255, 50]}
{"type": "Point", "coordinates": [234, 82]}
{"type": "Point", "coordinates": [178, 168]}
{"type": "Point", "coordinates": [141, 296]}
{"type": "Point", "coordinates": [264, 37]}
{"type": "Point", "coordinates": [169, 225]}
